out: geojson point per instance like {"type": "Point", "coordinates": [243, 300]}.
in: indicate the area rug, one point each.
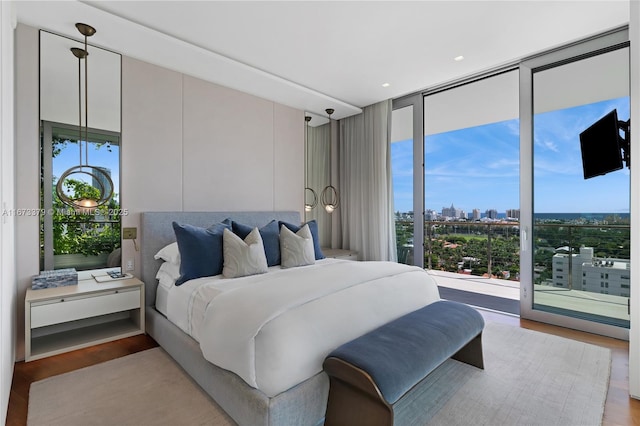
{"type": "Point", "coordinates": [530, 378]}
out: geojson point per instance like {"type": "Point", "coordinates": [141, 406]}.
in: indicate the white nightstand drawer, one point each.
{"type": "Point", "coordinates": [72, 308]}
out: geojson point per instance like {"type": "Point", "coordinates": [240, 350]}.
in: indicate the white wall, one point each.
{"type": "Point", "coordinates": [27, 160]}
{"type": "Point", "coordinates": [634, 332]}
{"type": "Point", "coordinates": [187, 145]}
{"type": "Point", "coordinates": [8, 298]}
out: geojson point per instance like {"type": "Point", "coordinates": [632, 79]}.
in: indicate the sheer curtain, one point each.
{"type": "Point", "coordinates": [318, 177]}
{"type": "Point", "coordinates": [366, 198]}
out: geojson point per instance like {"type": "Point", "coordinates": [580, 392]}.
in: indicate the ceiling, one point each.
{"type": "Point", "coordinates": [333, 54]}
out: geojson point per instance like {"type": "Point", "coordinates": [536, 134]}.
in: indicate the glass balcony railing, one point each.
{"type": "Point", "coordinates": [580, 269]}
{"type": "Point", "coordinates": [485, 249]}
{"type": "Point", "coordinates": [583, 270]}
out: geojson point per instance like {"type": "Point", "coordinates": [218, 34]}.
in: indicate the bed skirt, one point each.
{"type": "Point", "coordinates": [304, 404]}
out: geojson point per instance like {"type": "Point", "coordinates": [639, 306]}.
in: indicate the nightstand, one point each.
{"type": "Point", "coordinates": [62, 319]}
{"type": "Point", "coordinates": [340, 254]}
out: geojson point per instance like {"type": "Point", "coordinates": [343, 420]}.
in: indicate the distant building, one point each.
{"type": "Point", "coordinates": [454, 213]}
{"type": "Point", "coordinates": [430, 215]}
{"type": "Point", "coordinates": [476, 214]}
{"type": "Point", "coordinates": [404, 215]}
{"type": "Point", "coordinates": [561, 270]}
{"type": "Point", "coordinates": [513, 213]}
{"type": "Point", "coordinates": [491, 214]}
{"type": "Point", "coordinates": [101, 181]}
{"type": "Point", "coordinates": [605, 276]}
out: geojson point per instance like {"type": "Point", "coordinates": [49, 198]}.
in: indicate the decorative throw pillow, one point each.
{"type": "Point", "coordinates": [242, 258]}
{"type": "Point", "coordinates": [313, 227]}
{"type": "Point", "coordinates": [270, 234]}
{"type": "Point", "coordinates": [200, 250]}
{"type": "Point", "coordinates": [296, 249]}
{"type": "Point", "coordinates": [169, 253]}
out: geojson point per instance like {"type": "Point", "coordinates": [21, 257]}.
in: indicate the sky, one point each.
{"type": "Point", "coordinates": [70, 156]}
{"type": "Point", "coordinates": [478, 167]}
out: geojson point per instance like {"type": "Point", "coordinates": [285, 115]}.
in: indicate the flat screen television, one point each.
{"type": "Point", "coordinates": [600, 147]}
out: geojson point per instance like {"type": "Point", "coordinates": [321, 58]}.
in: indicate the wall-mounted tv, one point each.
{"type": "Point", "coordinates": [601, 148]}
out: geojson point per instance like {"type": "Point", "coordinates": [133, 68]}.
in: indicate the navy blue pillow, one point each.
{"type": "Point", "coordinates": [200, 250]}
{"type": "Point", "coordinates": [313, 227]}
{"type": "Point", "coordinates": [270, 239]}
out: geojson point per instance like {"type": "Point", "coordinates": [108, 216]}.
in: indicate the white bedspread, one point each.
{"type": "Point", "coordinates": [274, 330]}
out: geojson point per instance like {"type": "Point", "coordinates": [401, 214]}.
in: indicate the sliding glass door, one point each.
{"type": "Point", "coordinates": [580, 198]}
{"type": "Point", "coordinates": [576, 222]}
{"type": "Point", "coordinates": [471, 145]}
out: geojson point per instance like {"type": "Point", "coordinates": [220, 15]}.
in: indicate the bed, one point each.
{"type": "Point", "coordinates": [272, 383]}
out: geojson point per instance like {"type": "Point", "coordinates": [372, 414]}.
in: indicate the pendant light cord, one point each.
{"type": "Point", "coordinates": [86, 102]}
{"type": "Point", "coordinates": [80, 108]}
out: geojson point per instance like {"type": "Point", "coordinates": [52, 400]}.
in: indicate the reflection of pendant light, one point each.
{"type": "Point", "coordinates": [307, 190]}
{"type": "Point", "coordinates": [329, 197]}
{"type": "Point", "coordinates": [100, 178]}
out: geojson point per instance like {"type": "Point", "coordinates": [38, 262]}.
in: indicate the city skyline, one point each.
{"type": "Point", "coordinates": [479, 167]}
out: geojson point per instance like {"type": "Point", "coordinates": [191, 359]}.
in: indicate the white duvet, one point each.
{"type": "Point", "coordinates": [275, 329]}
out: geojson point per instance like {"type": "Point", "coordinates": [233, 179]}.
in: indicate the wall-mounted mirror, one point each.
{"type": "Point", "coordinates": [79, 124]}
{"type": "Point", "coordinates": [317, 173]}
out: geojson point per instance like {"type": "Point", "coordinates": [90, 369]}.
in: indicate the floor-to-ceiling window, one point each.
{"type": "Point", "coordinates": [575, 186]}
{"type": "Point", "coordinates": [492, 224]}
{"type": "Point", "coordinates": [581, 232]}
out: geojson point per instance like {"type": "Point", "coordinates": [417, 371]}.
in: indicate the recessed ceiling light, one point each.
{"type": "Point", "coordinates": [385, 85]}
{"type": "Point", "coordinates": [458, 58]}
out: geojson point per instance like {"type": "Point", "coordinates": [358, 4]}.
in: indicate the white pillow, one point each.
{"type": "Point", "coordinates": [242, 258]}
{"type": "Point", "coordinates": [170, 269]}
{"type": "Point", "coordinates": [168, 274]}
{"type": "Point", "coordinates": [169, 253]}
{"type": "Point", "coordinates": [165, 280]}
{"type": "Point", "coordinates": [296, 249]}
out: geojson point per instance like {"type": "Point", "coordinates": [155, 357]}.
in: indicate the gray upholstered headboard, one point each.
{"type": "Point", "coordinates": [156, 232]}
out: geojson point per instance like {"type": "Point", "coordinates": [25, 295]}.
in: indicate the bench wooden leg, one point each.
{"type": "Point", "coordinates": [471, 353]}
{"type": "Point", "coordinates": [349, 406]}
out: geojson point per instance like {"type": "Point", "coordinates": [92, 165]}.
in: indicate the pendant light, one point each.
{"type": "Point", "coordinates": [85, 203]}
{"type": "Point", "coordinates": [329, 197]}
{"type": "Point", "coordinates": [307, 190]}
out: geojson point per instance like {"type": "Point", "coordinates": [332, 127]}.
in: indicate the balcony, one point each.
{"type": "Point", "coordinates": [581, 268]}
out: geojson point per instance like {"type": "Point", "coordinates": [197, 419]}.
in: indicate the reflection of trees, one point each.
{"type": "Point", "coordinates": [78, 232]}
{"type": "Point", "coordinates": [75, 232]}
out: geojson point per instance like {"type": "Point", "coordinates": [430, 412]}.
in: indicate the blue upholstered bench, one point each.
{"type": "Point", "coordinates": [370, 375]}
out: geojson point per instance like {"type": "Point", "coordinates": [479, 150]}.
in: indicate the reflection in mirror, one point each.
{"type": "Point", "coordinates": [317, 174]}
{"type": "Point", "coordinates": [77, 238]}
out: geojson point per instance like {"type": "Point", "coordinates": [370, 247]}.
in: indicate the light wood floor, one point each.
{"type": "Point", "coordinates": [620, 410]}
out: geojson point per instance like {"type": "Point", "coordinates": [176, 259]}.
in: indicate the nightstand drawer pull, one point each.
{"type": "Point", "coordinates": [84, 307]}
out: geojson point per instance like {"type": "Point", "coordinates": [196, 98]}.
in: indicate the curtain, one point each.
{"type": "Point", "coordinates": [317, 178]}
{"type": "Point", "coordinates": [366, 197]}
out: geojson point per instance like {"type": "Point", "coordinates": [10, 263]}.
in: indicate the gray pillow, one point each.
{"type": "Point", "coordinates": [242, 258]}
{"type": "Point", "coordinates": [296, 249]}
